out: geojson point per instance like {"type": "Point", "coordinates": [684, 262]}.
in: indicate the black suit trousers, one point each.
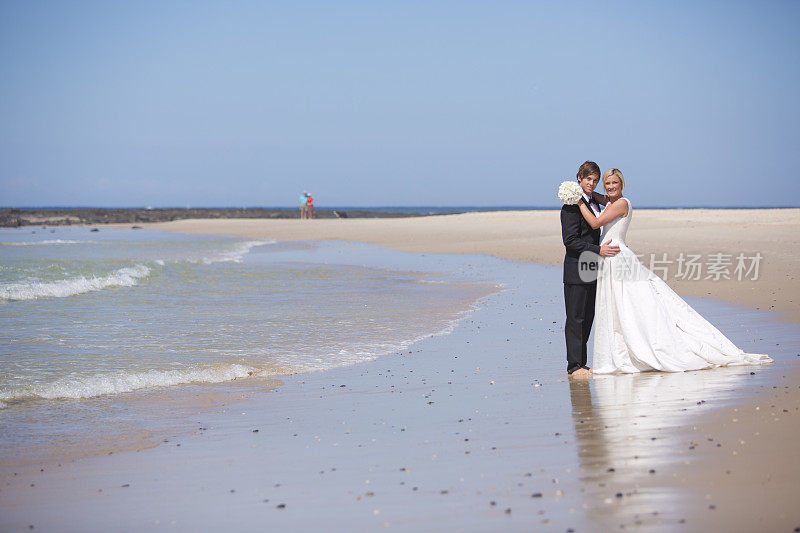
{"type": "Point", "coordinates": [579, 301]}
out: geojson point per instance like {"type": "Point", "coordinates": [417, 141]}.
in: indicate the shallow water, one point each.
{"type": "Point", "coordinates": [88, 317]}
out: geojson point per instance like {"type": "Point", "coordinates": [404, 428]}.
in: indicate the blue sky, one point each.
{"type": "Point", "coordinates": [395, 103]}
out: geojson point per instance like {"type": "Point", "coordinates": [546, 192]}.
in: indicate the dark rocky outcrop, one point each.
{"type": "Point", "coordinates": [65, 217]}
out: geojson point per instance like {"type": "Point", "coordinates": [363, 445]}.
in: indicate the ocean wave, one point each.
{"type": "Point", "coordinates": [123, 277]}
{"type": "Point", "coordinates": [110, 383]}
{"type": "Point", "coordinates": [76, 387]}
{"type": "Point", "coordinates": [38, 243]}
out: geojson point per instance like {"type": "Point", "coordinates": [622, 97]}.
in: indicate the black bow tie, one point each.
{"type": "Point", "coordinates": [591, 201]}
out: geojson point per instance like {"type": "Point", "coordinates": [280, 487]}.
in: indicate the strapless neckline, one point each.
{"type": "Point", "coordinates": [617, 229]}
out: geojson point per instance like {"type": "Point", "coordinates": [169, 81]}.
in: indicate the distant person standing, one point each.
{"type": "Point", "coordinates": [304, 206]}
{"type": "Point", "coordinates": [310, 205]}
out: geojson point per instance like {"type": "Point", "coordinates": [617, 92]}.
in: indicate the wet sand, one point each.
{"type": "Point", "coordinates": [475, 430]}
{"type": "Point", "coordinates": [534, 236]}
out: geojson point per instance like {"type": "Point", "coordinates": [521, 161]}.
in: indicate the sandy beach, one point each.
{"type": "Point", "coordinates": [479, 429]}
{"type": "Point", "coordinates": [534, 236]}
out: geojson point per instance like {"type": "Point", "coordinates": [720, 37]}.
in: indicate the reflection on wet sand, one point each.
{"type": "Point", "coordinates": [626, 441]}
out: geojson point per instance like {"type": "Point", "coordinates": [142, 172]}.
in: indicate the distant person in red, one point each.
{"type": "Point", "coordinates": [310, 206]}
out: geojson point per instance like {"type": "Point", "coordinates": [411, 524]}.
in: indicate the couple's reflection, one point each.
{"type": "Point", "coordinates": [628, 422]}
{"type": "Point", "coordinates": [591, 443]}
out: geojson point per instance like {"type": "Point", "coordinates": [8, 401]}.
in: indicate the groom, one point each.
{"type": "Point", "coordinates": [580, 289]}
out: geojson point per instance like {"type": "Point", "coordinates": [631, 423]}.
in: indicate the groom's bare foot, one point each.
{"type": "Point", "coordinates": [581, 373]}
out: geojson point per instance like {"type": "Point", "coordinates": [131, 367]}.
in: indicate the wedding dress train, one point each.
{"type": "Point", "coordinates": [641, 324]}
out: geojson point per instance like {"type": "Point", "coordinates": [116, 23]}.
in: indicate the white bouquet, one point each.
{"type": "Point", "coordinates": [570, 192]}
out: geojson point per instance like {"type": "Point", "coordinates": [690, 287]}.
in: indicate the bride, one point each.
{"type": "Point", "coordinates": [640, 323]}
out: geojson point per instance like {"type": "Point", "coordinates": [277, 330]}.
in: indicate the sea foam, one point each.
{"type": "Point", "coordinates": [236, 252]}
{"type": "Point", "coordinates": [31, 290]}
{"type": "Point", "coordinates": [40, 243]}
{"type": "Point", "coordinates": [74, 387]}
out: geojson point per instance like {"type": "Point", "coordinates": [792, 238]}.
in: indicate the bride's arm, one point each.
{"type": "Point", "coordinates": [612, 212]}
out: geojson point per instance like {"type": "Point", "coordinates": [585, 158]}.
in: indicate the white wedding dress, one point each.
{"type": "Point", "coordinates": [641, 324]}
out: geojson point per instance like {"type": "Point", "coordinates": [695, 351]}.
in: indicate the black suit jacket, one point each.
{"type": "Point", "coordinates": [578, 237]}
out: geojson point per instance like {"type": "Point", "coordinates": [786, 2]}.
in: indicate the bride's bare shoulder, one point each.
{"type": "Point", "coordinates": [627, 207]}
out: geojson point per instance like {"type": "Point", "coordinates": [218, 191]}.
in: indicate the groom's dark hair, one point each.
{"type": "Point", "coordinates": [589, 168]}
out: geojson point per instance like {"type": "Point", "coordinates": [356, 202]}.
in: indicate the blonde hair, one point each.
{"type": "Point", "coordinates": [615, 172]}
